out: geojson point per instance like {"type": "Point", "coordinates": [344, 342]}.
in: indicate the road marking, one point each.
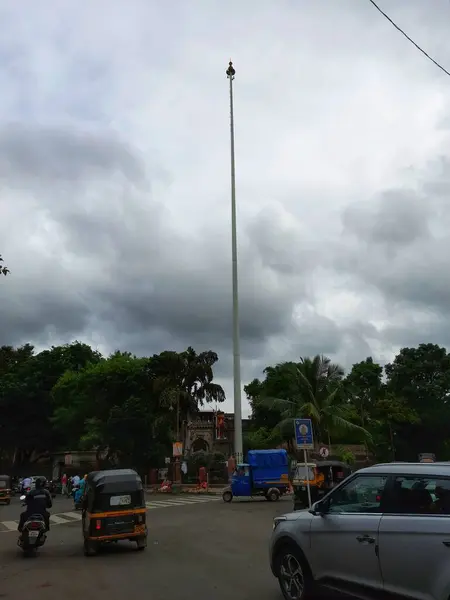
{"type": "Point", "coordinates": [57, 520]}
{"type": "Point", "coordinates": [75, 516]}
{"type": "Point", "coordinates": [178, 502]}
{"type": "Point", "coordinates": [71, 517]}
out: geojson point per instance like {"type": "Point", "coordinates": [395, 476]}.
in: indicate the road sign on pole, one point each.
{"type": "Point", "coordinates": [305, 441]}
{"type": "Point", "coordinates": [324, 452]}
{"type": "Point", "coordinates": [304, 434]}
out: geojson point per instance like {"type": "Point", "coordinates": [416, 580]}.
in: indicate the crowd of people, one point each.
{"type": "Point", "coordinates": [68, 483]}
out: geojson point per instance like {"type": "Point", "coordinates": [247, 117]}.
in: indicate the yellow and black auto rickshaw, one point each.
{"type": "Point", "coordinates": [113, 509]}
{"type": "Point", "coordinates": [5, 489]}
{"type": "Point", "coordinates": [323, 476]}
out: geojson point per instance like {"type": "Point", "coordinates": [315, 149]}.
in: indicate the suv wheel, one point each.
{"type": "Point", "coordinates": [294, 575]}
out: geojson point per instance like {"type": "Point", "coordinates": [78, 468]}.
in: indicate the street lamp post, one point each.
{"type": "Point", "coordinates": [238, 449]}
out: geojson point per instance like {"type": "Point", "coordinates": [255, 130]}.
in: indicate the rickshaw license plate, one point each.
{"type": "Point", "coordinates": [120, 500]}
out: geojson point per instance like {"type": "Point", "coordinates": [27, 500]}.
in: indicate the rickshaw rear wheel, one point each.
{"type": "Point", "coordinates": [227, 496]}
{"type": "Point", "coordinates": [90, 548]}
{"type": "Point", "coordinates": [141, 543]}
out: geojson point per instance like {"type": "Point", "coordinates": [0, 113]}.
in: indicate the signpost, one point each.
{"type": "Point", "coordinates": [324, 452]}
{"type": "Point", "coordinates": [177, 449]}
{"type": "Point", "coordinates": [305, 441]}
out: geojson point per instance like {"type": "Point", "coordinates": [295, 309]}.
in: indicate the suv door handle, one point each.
{"type": "Point", "coordinates": [365, 539]}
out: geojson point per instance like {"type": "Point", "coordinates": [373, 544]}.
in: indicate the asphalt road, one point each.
{"type": "Point", "coordinates": [200, 549]}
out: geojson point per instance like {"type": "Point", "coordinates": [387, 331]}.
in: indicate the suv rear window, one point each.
{"type": "Point", "coordinates": [420, 495]}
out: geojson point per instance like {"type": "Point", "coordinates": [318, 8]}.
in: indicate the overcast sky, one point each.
{"type": "Point", "coordinates": [114, 167]}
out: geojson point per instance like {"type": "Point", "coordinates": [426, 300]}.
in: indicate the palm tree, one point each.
{"type": "Point", "coordinates": [312, 389]}
{"type": "Point", "coordinates": [184, 381]}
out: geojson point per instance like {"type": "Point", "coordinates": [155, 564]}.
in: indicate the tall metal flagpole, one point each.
{"type": "Point", "coordinates": [238, 449]}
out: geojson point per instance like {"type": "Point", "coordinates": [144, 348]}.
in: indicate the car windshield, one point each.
{"type": "Point", "coordinates": [303, 472]}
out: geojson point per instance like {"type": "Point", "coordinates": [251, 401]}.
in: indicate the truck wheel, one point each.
{"type": "Point", "coordinates": [273, 495]}
{"type": "Point", "coordinates": [227, 496]}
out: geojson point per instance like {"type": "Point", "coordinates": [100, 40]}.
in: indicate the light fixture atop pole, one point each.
{"type": "Point", "coordinates": [238, 447]}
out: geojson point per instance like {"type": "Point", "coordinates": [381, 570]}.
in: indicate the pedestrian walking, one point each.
{"type": "Point", "coordinates": [65, 489]}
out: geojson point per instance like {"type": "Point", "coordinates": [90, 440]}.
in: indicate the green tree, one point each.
{"type": "Point", "coordinates": [421, 378]}
{"type": "Point", "coordinates": [388, 416]}
{"type": "Point", "coordinates": [112, 406]}
{"type": "Point", "coordinates": [263, 416]}
{"type": "Point", "coordinates": [184, 381]}
{"type": "Point", "coordinates": [26, 382]}
{"type": "Point", "coordinates": [312, 388]}
{"type": "Point", "coordinates": [3, 269]}
{"type": "Point", "coordinates": [364, 385]}
{"type": "Point", "coordinates": [377, 409]}
{"type": "Point", "coordinates": [262, 438]}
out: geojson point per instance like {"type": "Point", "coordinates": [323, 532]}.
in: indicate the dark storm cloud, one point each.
{"type": "Point", "coordinates": [50, 155]}
{"type": "Point", "coordinates": [125, 268]}
{"type": "Point", "coordinates": [37, 312]}
{"type": "Point", "coordinates": [401, 245]}
{"type": "Point", "coordinates": [397, 218]}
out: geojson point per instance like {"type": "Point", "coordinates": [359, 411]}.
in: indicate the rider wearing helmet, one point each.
{"type": "Point", "coordinates": [37, 502]}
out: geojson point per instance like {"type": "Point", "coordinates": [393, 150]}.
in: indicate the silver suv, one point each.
{"type": "Point", "coordinates": [384, 531]}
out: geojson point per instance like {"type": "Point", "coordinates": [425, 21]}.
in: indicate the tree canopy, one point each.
{"type": "Point", "coordinates": [397, 411]}
{"type": "Point", "coordinates": [71, 397]}
{"type": "Point", "coordinates": [3, 269]}
{"type": "Point", "coordinates": [132, 408]}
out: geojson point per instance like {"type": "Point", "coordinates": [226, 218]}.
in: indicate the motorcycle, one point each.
{"type": "Point", "coordinates": [33, 534]}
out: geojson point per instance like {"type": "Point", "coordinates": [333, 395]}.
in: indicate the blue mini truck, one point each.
{"type": "Point", "coordinates": [266, 473]}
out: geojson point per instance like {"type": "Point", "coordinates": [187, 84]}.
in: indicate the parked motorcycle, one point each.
{"type": "Point", "coordinates": [33, 534]}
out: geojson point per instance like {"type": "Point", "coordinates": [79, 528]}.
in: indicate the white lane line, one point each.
{"type": "Point", "coordinates": [73, 515]}
{"type": "Point", "coordinates": [57, 520]}
{"type": "Point", "coordinates": [203, 499]}
{"type": "Point", "coordinates": [188, 499]}
{"type": "Point", "coordinates": [10, 525]}
{"type": "Point", "coordinates": [176, 502]}
{"type": "Point", "coordinates": [196, 499]}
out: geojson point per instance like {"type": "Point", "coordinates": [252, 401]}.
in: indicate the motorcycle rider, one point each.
{"type": "Point", "coordinates": [37, 502]}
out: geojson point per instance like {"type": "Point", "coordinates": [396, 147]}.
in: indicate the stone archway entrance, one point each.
{"type": "Point", "coordinates": [200, 445]}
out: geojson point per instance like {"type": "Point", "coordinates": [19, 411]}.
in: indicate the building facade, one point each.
{"type": "Point", "coordinates": [211, 431]}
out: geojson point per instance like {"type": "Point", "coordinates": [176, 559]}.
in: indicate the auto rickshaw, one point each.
{"type": "Point", "coordinates": [323, 476]}
{"type": "Point", "coordinates": [5, 489]}
{"type": "Point", "coordinates": [113, 509]}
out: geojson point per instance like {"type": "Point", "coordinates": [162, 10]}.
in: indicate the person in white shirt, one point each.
{"type": "Point", "coordinates": [26, 483]}
{"type": "Point", "coordinates": [75, 480]}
